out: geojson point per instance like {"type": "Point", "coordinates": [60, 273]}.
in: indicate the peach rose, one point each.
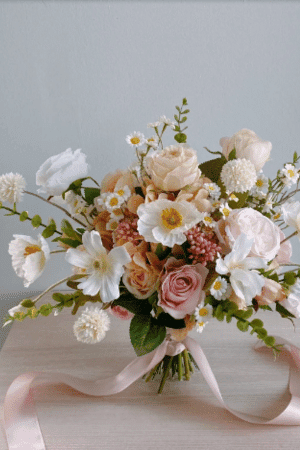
{"type": "Point", "coordinates": [238, 300]}
{"type": "Point", "coordinates": [173, 168]}
{"type": "Point", "coordinates": [249, 146]}
{"type": "Point", "coordinates": [271, 292]}
{"type": "Point", "coordinates": [198, 198]}
{"type": "Point", "coordinates": [251, 222]}
{"type": "Point", "coordinates": [117, 180]}
{"type": "Point", "coordinates": [140, 278]}
{"type": "Point", "coordinates": [181, 288]}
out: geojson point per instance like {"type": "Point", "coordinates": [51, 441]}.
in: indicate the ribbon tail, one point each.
{"type": "Point", "coordinates": [291, 414]}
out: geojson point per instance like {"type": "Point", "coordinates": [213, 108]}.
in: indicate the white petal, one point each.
{"type": "Point", "coordinates": [109, 290]}
{"type": "Point", "coordinates": [221, 267]}
{"type": "Point", "coordinates": [91, 285]}
{"type": "Point", "coordinates": [119, 255]}
{"type": "Point", "coordinates": [33, 267]}
{"type": "Point", "coordinates": [254, 263]}
{"type": "Point", "coordinates": [78, 258]}
{"type": "Point", "coordinates": [241, 247]}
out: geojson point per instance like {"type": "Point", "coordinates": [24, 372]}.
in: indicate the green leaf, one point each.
{"type": "Point", "coordinates": [145, 334]}
{"type": "Point", "coordinates": [176, 128]}
{"type": "Point", "coordinates": [261, 333]}
{"type": "Point", "coordinates": [162, 253]}
{"type": "Point", "coordinates": [242, 326]}
{"type": "Point", "coordinates": [295, 157]}
{"type": "Point", "coordinates": [169, 321]}
{"type": "Point", "coordinates": [248, 313]}
{"type": "Point", "coordinates": [58, 297]}
{"type": "Point", "coordinates": [232, 307]}
{"type": "Point", "coordinates": [49, 231]}
{"type": "Point", "coordinates": [36, 221]}
{"type": "Point", "coordinates": [232, 155]}
{"type": "Point", "coordinates": [267, 307]}
{"type": "Point", "coordinates": [71, 242]}
{"type": "Point", "coordinates": [213, 153]}
{"type": "Point", "coordinates": [178, 109]}
{"type": "Point", "coordinates": [212, 168]}
{"type": "Point", "coordinates": [180, 138]}
{"type": "Point", "coordinates": [134, 305]}
{"type": "Point", "coordinates": [184, 101]}
{"type": "Point", "coordinates": [242, 196]}
{"type": "Point", "coordinates": [186, 111]}
{"type": "Point", "coordinates": [257, 323]}
{"type": "Point", "coordinates": [27, 303]}
{"type": "Point", "coordinates": [290, 278]}
{"type": "Point", "coordinates": [176, 117]}
{"type": "Point", "coordinates": [23, 216]}
{"type": "Point", "coordinates": [269, 341]}
{"type": "Point", "coordinates": [90, 194]}
{"type": "Point", "coordinates": [283, 311]}
{"type": "Point", "coordinates": [184, 119]}
{"type": "Point", "coordinates": [45, 310]}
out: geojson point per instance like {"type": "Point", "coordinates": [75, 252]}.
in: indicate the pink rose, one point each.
{"type": "Point", "coordinates": [181, 288]}
{"type": "Point", "coordinates": [120, 312]}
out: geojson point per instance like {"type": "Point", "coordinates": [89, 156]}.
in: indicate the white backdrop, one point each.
{"type": "Point", "coordinates": [84, 74]}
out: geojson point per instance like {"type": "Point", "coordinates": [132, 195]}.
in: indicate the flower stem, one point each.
{"type": "Point", "coordinates": [289, 237]}
{"type": "Point", "coordinates": [57, 206]}
{"type": "Point", "coordinates": [151, 373]}
{"type": "Point", "coordinates": [179, 367]}
{"type": "Point", "coordinates": [58, 251]}
{"type": "Point", "coordinates": [186, 364]}
{"type": "Point", "coordinates": [165, 375]}
{"type": "Point", "coordinates": [51, 287]}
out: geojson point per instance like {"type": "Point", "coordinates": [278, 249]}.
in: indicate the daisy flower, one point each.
{"type": "Point", "coordinates": [123, 192]}
{"type": "Point", "coordinates": [291, 215]}
{"type": "Point", "coordinates": [219, 288]}
{"type": "Point", "coordinates": [200, 326]}
{"type": "Point", "coordinates": [225, 210]}
{"type": "Point", "coordinates": [29, 256]}
{"type": "Point", "coordinates": [154, 124]}
{"type": "Point", "coordinates": [213, 189]}
{"type": "Point", "coordinates": [92, 325]}
{"type": "Point", "coordinates": [232, 197]}
{"type": "Point", "coordinates": [164, 120]}
{"type": "Point", "coordinates": [268, 205]}
{"type": "Point", "coordinates": [163, 221]}
{"type": "Point", "coordinates": [12, 186]}
{"type": "Point", "coordinates": [113, 201]}
{"type": "Point", "coordinates": [104, 270]}
{"type": "Point", "coordinates": [152, 142]}
{"type": "Point", "coordinates": [202, 315]}
{"type": "Point", "coordinates": [216, 205]}
{"type": "Point", "coordinates": [207, 220]}
{"type": "Point", "coordinates": [278, 213]}
{"type": "Point", "coordinates": [238, 175]}
{"type": "Point", "coordinates": [112, 224]}
{"type": "Point", "coordinates": [290, 174]}
{"type": "Point", "coordinates": [136, 139]}
{"type": "Point", "coordinates": [261, 182]}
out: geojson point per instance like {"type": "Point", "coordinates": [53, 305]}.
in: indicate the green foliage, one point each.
{"type": "Point", "coordinates": [27, 303]}
{"type": "Point", "coordinates": [290, 278]}
{"type": "Point", "coordinates": [46, 310]}
{"type": "Point", "coordinates": [77, 185]}
{"type": "Point", "coordinates": [257, 323]}
{"type": "Point", "coordinates": [269, 341]}
{"type": "Point", "coordinates": [132, 304]}
{"type": "Point", "coordinates": [67, 228]}
{"type": "Point", "coordinates": [212, 168]}
{"type": "Point", "coordinates": [146, 334]}
{"type": "Point", "coordinates": [162, 252]}
{"type": "Point", "coordinates": [23, 216]}
{"type": "Point", "coordinates": [242, 196]}
{"type": "Point", "coordinates": [90, 194]}
{"type": "Point", "coordinates": [213, 153]}
{"type": "Point", "coordinates": [242, 325]}
{"type": "Point", "coordinates": [36, 221]}
{"type": "Point", "coordinates": [49, 230]}
{"type": "Point", "coordinates": [181, 118]}
{"type": "Point", "coordinates": [70, 242]}
{"type": "Point", "coordinates": [232, 155]}
{"type": "Point", "coordinates": [169, 321]}
{"type": "Point", "coordinates": [283, 311]}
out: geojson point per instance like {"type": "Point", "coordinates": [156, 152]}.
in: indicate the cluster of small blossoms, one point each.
{"type": "Point", "coordinates": [202, 316]}
{"type": "Point", "coordinates": [126, 231]}
{"type": "Point", "coordinates": [112, 201]}
{"type": "Point", "coordinates": [289, 175]}
{"type": "Point", "coordinates": [213, 189]}
{"type": "Point", "coordinates": [203, 247]}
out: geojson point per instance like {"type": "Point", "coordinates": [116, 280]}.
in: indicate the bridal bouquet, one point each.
{"type": "Point", "coordinates": [169, 244]}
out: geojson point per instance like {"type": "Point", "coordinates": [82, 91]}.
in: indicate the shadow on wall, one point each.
{"type": "Point", "coordinates": [9, 300]}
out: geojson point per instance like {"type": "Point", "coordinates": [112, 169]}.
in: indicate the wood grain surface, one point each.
{"type": "Point", "coordinates": [185, 416]}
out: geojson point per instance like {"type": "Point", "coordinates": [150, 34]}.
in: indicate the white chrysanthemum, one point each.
{"type": "Point", "coordinates": [290, 174]}
{"type": "Point", "coordinates": [136, 139]}
{"type": "Point", "coordinates": [104, 270]}
{"type": "Point", "coordinates": [164, 120]}
{"type": "Point", "coordinates": [213, 189]}
{"type": "Point", "coordinates": [12, 186]}
{"type": "Point", "coordinates": [163, 221]}
{"type": "Point", "coordinates": [113, 201]}
{"type": "Point", "coordinates": [207, 220]}
{"type": "Point", "coordinates": [225, 210]}
{"type": "Point", "coordinates": [123, 192]}
{"type": "Point", "coordinates": [153, 125]}
{"type": "Point", "coordinates": [219, 288]}
{"type": "Point", "coordinates": [29, 256]}
{"type": "Point", "coordinates": [92, 325]}
{"type": "Point", "coordinates": [238, 175]}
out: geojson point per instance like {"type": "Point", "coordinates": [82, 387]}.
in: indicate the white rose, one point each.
{"type": "Point", "coordinates": [59, 171]}
{"type": "Point", "coordinates": [174, 168]}
{"type": "Point", "coordinates": [266, 234]}
{"type": "Point", "coordinates": [249, 146]}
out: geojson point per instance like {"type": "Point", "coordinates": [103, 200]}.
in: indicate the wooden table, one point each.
{"type": "Point", "coordinates": [185, 416]}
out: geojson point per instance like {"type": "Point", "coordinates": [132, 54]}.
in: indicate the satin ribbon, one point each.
{"type": "Point", "coordinates": [21, 423]}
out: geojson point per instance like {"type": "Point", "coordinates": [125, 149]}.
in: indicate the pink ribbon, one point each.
{"type": "Point", "coordinates": [21, 422]}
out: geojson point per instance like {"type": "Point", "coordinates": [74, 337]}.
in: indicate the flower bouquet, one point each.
{"type": "Point", "coordinates": [169, 244]}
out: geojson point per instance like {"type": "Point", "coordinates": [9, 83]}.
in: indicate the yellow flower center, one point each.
{"type": "Point", "coordinates": [291, 173]}
{"type": "Point", "coordinates": [259, 183]}
{"type": "Point", "coordinates": [217, 285]}
{"type": "Point", "coordinates": [226, 212]}
{"type": "Point", "coordinates": [101, 264]}
{"type": "Point", "coordinates": [118, 212]}
{"type": "Point", "coordinates": [113, 201]}
{"type": "Point", "coordinates": [135, 140]}
{"type": "Point", "coordinates": [211, 188]}
{"type": "Point", "coordinates": [276, 216]}
{"type": "Point", "coordinates": [208, 219]}
{"type": "Point", "coordinates": [114, 225]}
{"type": "Point", "coordinates": [171, 218]}
{"type": "Point", "coordinates": [151, 139]}
{"type": "Point", "coordinates": [203, 312]}
{"type": "Point", "coordinates": [200, 324]}
{"type": "Point", "coordinates": [30, 249]}
{"type": "Point", "coordinates": [233, 197]}
{"type": "Point", "coordinates": [120, 192]}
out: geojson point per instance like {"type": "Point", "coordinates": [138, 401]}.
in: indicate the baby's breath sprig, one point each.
{"type": "Point", "coordinates": [181, 137]}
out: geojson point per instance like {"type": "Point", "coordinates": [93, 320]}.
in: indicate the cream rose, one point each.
{"type": "Point", "coordinates": [174, 168]}
{"type": "Point", "coordinates": [266, 234]}
{"type": "Point", "coordinates": [271, 292]}
{"type": "Point", "coordinates": [249, 146]}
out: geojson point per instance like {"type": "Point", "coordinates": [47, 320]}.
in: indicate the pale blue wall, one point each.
{"type": "Point", "coordinates": [84, 74]}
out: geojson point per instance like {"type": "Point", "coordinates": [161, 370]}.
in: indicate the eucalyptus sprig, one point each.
{"type": "Point", "coordinates": [181, 118]}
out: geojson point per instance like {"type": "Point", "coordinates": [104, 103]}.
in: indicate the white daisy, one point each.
{"type": "Point", "coordinates": [164, 120]}
{"type": "Point", "coordinates": [207, 220]}
{"type": "Point", "coordinates": [123, 192]}
{"type": "Point", "coordinates": [202, 315]}
{"type": "Point", "coordinates": [238, 175]}
{"type": "Point", "coordinates": [92, 325]}
{"type": "Point", "coordinates": [136, 139]}
{"type": "Point", "coordinates": [153, 125]}
{"type": "Point", "coordinates": [216, 205]}
{"type": "Point", "coordinates": [152, 142]}
{"type": "Point", "coordinates": [232, 197]}
{"type": "Point", "coordinates": [219, 288]}
{"type": "Point", "coordinates": [278, 213]}
{"type": "Point", "coordinates": [112, 224]}
{"type": "Point", "coordinates": [104, 270]}
{"type": "Point", "coordinates": [290, 174]}
{"type": "Point", "coordinates": [268, 205]}
{"type": "Point", "coordinates": [213, 189]}
{"type": "Point", "coordinates": [113, 201]}
{"type": "Point", "coordinates": [200, 326]}
{"type": "Point", "coordinates": [225, 210]}
{"type": "Point", "coordinates": [117, 214]}
{"type": "Point", "coordinates": [12, 186]}
{"type": "Point", "coordinates": [29, 256]}
{"type": "Point", "coordinates": [165, 221]}
{"type": "Point", "coordinates": [261, 183]}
